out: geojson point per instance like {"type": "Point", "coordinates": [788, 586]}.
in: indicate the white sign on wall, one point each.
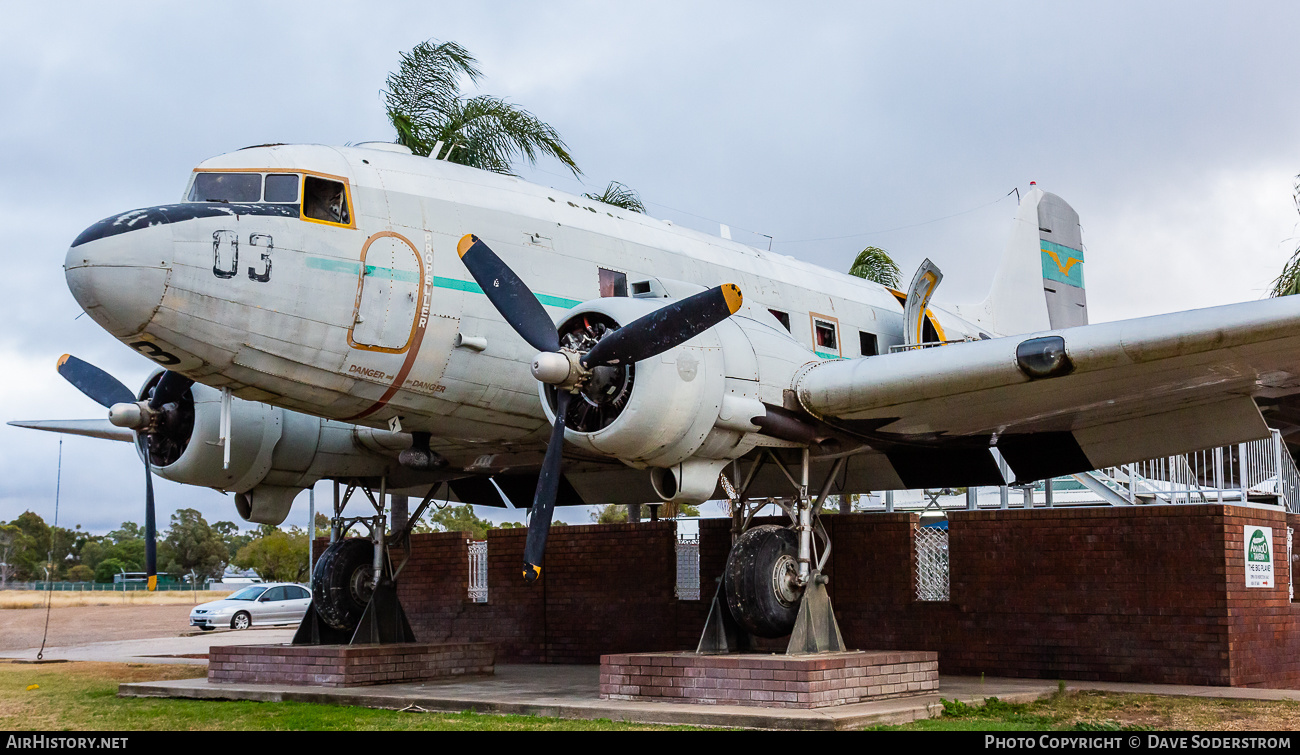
{"type": "Point", "coordinates": [1258, 542]}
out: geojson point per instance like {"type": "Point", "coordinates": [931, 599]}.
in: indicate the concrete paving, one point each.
{"type": "Point", "coordinates": [571, 691]}
{"type": "Point", "coordinates": [172, 649]}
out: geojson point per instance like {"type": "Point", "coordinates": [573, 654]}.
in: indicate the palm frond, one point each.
{"type": "Point", "coordinates": [875, 264]}
{"type": "Point", "coordinates": [493, 133]}
{"type": "Point", "coordinates": [620, 196]}
{"type": "Point", "coordinates": [427, 81]}
{"type": "Point", "coordinates": [1288, 283]}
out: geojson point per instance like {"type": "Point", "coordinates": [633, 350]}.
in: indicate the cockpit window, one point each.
{"type": "Point", "coordinates": [226, 187]}
{"type": "Point", "coordinates": [325, 200]}
{"type": "Point", "coordinates": [281, 187]}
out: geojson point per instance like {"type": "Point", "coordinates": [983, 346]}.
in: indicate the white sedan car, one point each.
{"type": "Point", "coordinates": [261, 604]}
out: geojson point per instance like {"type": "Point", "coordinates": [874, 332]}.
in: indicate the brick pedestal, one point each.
{"type": "Point", "coordinates": [348, 665]}
{"type": "Point", "coordinates": [774, 681]}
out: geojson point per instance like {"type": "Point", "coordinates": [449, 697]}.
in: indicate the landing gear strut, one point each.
{"type": "Point", "coordinates": [773, 583]}
{"type": "Point", "coordinates": [354, 583]}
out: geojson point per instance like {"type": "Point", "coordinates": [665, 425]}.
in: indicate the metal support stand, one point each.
{"type": "Point", "coordinates": [815, 629]}
{"type": "Point", "coordinates": [383, 621]}
{"type": "Point", "coordinates": [721, 633]}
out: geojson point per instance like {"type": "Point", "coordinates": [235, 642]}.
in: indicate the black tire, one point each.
{"type": "Point", "coordinates": [761, 595]}
{"type": "Point", "coordinates": [241, 620]}
{"type": "Point", "coordinates": [341, 582]}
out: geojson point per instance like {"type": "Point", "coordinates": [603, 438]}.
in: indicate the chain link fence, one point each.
{"type": "Point", "coordinates": [932, 573]}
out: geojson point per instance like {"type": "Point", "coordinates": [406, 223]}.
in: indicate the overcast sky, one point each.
{"type": "Point", "coordinates": [1171, 129]}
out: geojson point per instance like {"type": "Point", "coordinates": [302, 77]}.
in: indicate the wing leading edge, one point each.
{"type": "Point", "coordinates": [1131, 390]}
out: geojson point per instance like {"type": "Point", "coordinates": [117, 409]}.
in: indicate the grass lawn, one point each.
{"type": "Point", "coordinates": [1113, 711]}
{"type": "Point", "coordinates": [82, 696]}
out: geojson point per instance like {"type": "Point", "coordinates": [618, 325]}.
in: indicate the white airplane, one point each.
{"type": "Point", "coordinates": [364, 314]}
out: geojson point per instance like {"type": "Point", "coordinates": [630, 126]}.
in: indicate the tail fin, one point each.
{"type": "Point", "coordinates": [1039, 283]}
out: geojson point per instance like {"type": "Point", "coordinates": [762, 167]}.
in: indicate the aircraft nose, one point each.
{"type": "Point", "coordinates": [118, 269]}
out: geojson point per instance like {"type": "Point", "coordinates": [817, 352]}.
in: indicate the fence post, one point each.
{"type": "Point", "coordinates": [1241, 471]}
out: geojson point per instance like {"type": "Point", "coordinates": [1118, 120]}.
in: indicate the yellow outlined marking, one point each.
{"type": "Point", "coordinates": [1069, 262]}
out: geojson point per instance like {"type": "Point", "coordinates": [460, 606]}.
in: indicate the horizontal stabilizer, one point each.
{"type": "Point", "coordinates": [91, 428]}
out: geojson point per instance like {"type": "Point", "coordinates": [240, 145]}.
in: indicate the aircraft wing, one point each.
{"type": "Point", "coordinates": [1130, 390]}
{"type": "Point", "coordinates": [93, 428]}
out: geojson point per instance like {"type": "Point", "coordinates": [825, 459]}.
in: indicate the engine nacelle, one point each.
{"type": "Point", "coordinates": [274, 453]}
{"type": "Point", "coordinates": [684, 413]}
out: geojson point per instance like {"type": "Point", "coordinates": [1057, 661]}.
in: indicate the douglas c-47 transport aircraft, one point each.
{"type": "Point", "coordinates": [407, 324]}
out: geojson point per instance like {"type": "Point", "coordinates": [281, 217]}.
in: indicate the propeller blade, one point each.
{"type": "Point", "coordinates": [665, 328]}
{"type": "Point", "coordinates": [509, 294]}
{"type": "Point", "coordinates": [150, 532]}
{"type": "Point", "coordinates": [101, 387]}
{"type": "Point", "coordinates": [548, 483]}
{"type": "Point", "coordinates": [170, 387]}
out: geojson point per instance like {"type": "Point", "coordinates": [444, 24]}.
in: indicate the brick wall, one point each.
{"type": "Point", "coordinates": [1152, 593]}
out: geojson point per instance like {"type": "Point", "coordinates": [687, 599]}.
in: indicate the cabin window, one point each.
{"type": "Point", "coordinates": [226, 187]}
{"type": "Point", "coordinates": [781, 317]}
{"type": "Point", "coordinates": [867, 344]}
{"type": "Point", "coordinates": [612, 283]}
{"type": "Point", "coordinates": [281, 187]}
{"type": "Point", "coordinates": [825, 334]}
{"type": "Point", "coordinates": [325, 200]}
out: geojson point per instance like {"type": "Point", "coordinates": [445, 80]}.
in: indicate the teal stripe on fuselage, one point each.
{"type": "Point", "coordinates": [1057, 265]}
{"type": "Point", "coordinates": [407, 276]}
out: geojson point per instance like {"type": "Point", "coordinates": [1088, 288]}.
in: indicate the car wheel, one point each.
{"type": "Point", "coordinates": [241, 621]}
{"type": "Point", "coordinates": [761, 581]}
{"type": "Point", "coordinates": [341, 584]}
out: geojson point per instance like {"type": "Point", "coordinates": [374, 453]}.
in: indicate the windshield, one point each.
{"type": "Point", "coordinates": [248, 593]}
{"type": "Point", "coordinates": [227, 187]}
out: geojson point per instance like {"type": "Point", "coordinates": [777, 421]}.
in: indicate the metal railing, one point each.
{"type": "Point", "coordinates": [98, 586]}
{"type": "Point", "coordinates": [1259, 472]}
{"type": "Point", "coordinates": [478, 571]}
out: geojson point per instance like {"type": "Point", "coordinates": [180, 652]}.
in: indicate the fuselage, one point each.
{"type": "Point", "coordinates": [326, 280]}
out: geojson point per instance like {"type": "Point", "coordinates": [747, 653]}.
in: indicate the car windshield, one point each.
{"type": "Point", "coordinates": [248, 593]}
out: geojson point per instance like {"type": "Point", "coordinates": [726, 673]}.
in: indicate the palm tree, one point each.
{"type": "Point", "coordinates": [426, 107]}
{"type": "Point", "coordinates": [875, 264]}
{"type": "Point", "coordinates": [1288, 282]}
{"type": "Point", "coordinates": [620, 196]}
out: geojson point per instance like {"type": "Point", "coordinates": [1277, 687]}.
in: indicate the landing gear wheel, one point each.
{"type": "Point", "coordinates": [342, 582]}
{"type": "Point", "coordinates": [761, 580]}
{"type": "Point", "coordinates": [241, 620]}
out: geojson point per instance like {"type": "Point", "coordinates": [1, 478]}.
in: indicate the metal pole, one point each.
{"type": "Point", "coordinates": [1047, 492]}
{"type": "Point", "coordinates": [805, 522]}
{"type": "Point", "coordinates": [972, 498]}
{"type": "Point", "coordinates": [889, 501]}
{"type": "Point", "coordinates": [311, 527]}
{"type": "Point", "coordinates": [1241, 471]}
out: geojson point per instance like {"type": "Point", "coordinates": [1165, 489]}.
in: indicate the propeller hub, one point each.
{"type": "Point", "coordinates": [132, 415]}
{"type": "Point", "coordinates": [561, 368]}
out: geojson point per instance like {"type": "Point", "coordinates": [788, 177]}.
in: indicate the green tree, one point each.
{"type": "Point", "coordinates": [1288, 283]}
{"type": "Point", "coordinates": [189, 544]}
{"type": "Point", "coordinates": [618, 195]}
{"type": "Point", "coordinates": [875, 264]}
{"type": "Point", "coordinates": [456, 519]}
{"type": "Point", "coordinates": [425, 106]}
{"type": "Point", "coordinates": [616, 513]}
{"type": "Point", "coordinates": [81, 573]}
{"type": "Point", "coordinates": [234, 539]}
{"type": "Point", "coordinates": [9, 544]}
{"type": "Point", "coordinates": [277, 556]}
{"type": "Point", "coordinates": [108, 567]}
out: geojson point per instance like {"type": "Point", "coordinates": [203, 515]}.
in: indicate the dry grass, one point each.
{"type": "Point", "coordinates": [37, 598]}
